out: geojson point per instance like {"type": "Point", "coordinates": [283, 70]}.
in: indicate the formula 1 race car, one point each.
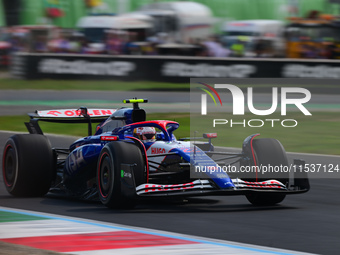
{"type": "Point", "coordinates": [129, 158]}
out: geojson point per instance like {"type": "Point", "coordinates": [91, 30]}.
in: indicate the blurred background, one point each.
{"type": "Point", "coordinates": [214, 28]}
{"type": "Point", "coordinates": [124, 48]}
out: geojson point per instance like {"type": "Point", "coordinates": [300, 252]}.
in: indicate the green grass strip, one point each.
{"type": "Point", "coordinates": [314, 134]}
{"type": "Point", "coordinates": [10, 217]}
{"type": "Point", "coordinates": [14, 84]}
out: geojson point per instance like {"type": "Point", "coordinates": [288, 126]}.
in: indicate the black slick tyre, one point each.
{"type": "Point", "coordinates": [27, 165]}
{"type": "Point", "coordinates": [112, 156]}
{"type": "Point", "coordinates": [269, 152]}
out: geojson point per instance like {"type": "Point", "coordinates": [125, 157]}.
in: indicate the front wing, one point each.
{"type": "Point", "coordinates": [205, 187]}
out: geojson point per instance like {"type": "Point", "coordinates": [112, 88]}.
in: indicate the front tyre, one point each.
{"type": "Point", "coordinates": [27, 165]}
{"type": "Point", "coordinates": [265, 199]}
{"type": "Point", "coordinates": [269, 152]}
{"type": "Point", "coordinates": [112, 156]}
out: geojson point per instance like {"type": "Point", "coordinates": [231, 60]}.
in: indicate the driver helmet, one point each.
{"type": "Point", "coordinates": [145, 133]}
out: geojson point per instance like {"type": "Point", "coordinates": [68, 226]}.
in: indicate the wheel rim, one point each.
{"type": "Point", "coordinates": [105, 177]}
{"type": "Point", "coordinates": [9, 166]}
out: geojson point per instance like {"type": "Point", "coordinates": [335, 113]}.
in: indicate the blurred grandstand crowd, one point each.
{"type": "Point", "coordinates": [313, 37]}
{"type": "Point", "coordinates": [125, 43]}
{"type": "Point", "coordinates": [122, 43]}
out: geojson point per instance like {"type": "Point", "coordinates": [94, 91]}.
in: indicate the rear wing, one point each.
{"type": "Point", "coordinates": [81, 115]}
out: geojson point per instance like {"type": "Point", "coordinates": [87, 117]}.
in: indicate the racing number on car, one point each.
{"type": "Point", "coordinates": [76, 158]}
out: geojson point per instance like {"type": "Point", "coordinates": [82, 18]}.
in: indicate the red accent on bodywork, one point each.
{"type": "Point", "coordinates": [169, 187]}
{"type": "Point", "coordinates": [54, 113]}
{"type": "Point", "coordinates": [210, 135]}
{"type": "Point", "coordinates": [161, 123]}
{"type": "Point", "coordinates": [109, 138]}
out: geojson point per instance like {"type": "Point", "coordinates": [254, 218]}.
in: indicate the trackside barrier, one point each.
{"type": "Point", "coordinates": [164, 68]}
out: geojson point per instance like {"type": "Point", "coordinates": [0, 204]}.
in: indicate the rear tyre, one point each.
{"type": "Point", "coordinates": [27, 165]}
{"type": "Point", "coordinates": [112, 156]}
{"type": "Point", "coordinates": [269, 152]}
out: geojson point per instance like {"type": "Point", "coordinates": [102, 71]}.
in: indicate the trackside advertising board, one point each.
{"type": "Point", "coordinates": [165, 68]}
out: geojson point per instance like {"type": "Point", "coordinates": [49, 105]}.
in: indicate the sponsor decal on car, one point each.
{"type": "Point", "coordinates": [65, 113]}
{"type": "Point", "coordinates": [157, 150]}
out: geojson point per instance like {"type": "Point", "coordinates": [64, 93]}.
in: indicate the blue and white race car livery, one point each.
{"type": "Point", "coordinates": [128, 159]}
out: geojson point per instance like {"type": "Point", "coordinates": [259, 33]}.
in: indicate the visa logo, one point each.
{"type": "Point", "coordinates": [157, 150]}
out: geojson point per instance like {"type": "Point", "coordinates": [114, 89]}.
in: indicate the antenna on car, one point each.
{"type": "Point", "coordinates": [135, 102]}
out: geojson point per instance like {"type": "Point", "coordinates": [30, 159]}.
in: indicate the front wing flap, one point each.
{"type": "Point", "coordinates": [146, 189]}
{"type": "Point", "coordinates": [206, 187]}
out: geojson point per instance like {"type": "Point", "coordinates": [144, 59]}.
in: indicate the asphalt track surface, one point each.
{"type": "Point", "coordinates": [307, 222]}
